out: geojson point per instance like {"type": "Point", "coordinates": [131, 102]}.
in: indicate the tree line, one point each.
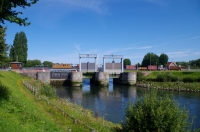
{"type": "Point", "coordinates": [150, 59]}
{"type": "Point", "coordinates": [153, 59]}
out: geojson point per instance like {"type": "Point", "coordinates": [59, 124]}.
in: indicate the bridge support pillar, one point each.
{"type": "Point", "coordinates": [76, 78]}
{"type": "Point", "coordinates": [126, 78]}
{"type": "Point", "coordinates": [100, 79]}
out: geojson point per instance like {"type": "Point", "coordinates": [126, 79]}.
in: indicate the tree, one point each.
{"type": "Point", "coordinates": [163, 59]}
{"type": "Point", "coordinates": [19, 49]}
{"type": "Point", "coordinates": [48, 63]}
{"type": "Point", "coordinates": [195, 63]}
{"type": "Point", "coordinates": [155, 113]}
{"type": "Point", "coordinates": [3, 47]}
{"type": "Point", "coordinates": [150, 59]}
{"type": "Point", "coordinates": [183, 63]}
{"type": "Point", "coordinates": [32, 63]}
{"type": "Point", "coordinates": [127, 62]}
{"type": "Point", "coordinates": [8, 11]}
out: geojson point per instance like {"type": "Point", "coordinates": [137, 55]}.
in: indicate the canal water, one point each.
{"type": "Point", "coordinates": [110, 102]}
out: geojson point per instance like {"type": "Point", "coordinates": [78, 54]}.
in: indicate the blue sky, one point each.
{"type": "Point", "coordinates": [60, 30]}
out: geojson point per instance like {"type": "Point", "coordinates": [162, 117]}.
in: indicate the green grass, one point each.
{"type": "Point", "coordinates": [178, 74]}
{"type": "Point", "coordinates": [172, 80]}
{"type": "Point", "coordinates": [21, 111]}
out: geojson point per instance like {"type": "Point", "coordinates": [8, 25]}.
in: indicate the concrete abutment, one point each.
{"type": "Point", "coordinates": [126, 78]}
{"type": "Point", "coordinates": [100, 79]}
{"type": "Point", "coordinates": [75, 78]}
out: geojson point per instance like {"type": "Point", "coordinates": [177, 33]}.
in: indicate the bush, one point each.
{"type": "Point", "coordinates": [47, 90]}
{"type": "Point", "coordinates": [140, 76]}
{"type": "Point", "coordinates": [166, 77]}
{"type": "Point", "coordinates": [4, 92]}
{"type": "Point", "coordinates": [154, 113]}
{"type": "Point", "coordinates": [161, 77]}
{"type": "Point", "coordinates": [188, 79]}
{"type": "Point", "coordinates": [198, 79]}
{"type": "Point", "coordinates": [171, 78]}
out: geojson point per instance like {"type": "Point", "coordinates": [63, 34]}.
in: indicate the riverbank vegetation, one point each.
{"type": "Point", "coordinates": [21, 110]}
{"type": "Point", "coordinates": [170, 80]}
{"type": "Point", "coordinates": [155, 113]}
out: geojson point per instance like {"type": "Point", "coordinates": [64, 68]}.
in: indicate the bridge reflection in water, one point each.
{"type": "Point", "coordinates": [110, 102]}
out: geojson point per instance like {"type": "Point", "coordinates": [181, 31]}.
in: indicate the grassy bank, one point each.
{"type": "Point", "coordinates": [21, 111]}
{"type": "Point", "coordinates": [170, 80]}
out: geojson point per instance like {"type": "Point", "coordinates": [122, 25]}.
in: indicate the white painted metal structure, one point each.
{"type": "Point", "coordinates": [88, 56]}
{"type": "Point", "coordinates": [113, 57]}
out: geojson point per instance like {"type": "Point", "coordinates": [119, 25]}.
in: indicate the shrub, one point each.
{"type": "Point", "coordinates": [198, 79]}
{"type": "Point", "coordinates": [161, 77]}
{"type": "Point", "coordinates": [170, 77]}
{"type": "Point", "coordinates": [154, 113]}
{"type": "Point", "coordinates": [188, 79]}
{"type": "Point", "coordinates": [4, 92]}
{"type": "Point", "coordinates": [140, 76]}
{"type": "Point", "coordinates": [47, 90]}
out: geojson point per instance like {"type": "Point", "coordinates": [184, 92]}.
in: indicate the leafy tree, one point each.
{"type": "Point", "coordinates": [3, 47]}
{"type": "Point", "coordinates": [183, 63]}
{"type": "Point", "coordinates": [150, 59]}
{"type": "Point", "coordinates": [32, 63]}
{"type": "Point", "coordinates": [195, 63]}
{"type": "Point", "coordinates": [127, 62]}
{"type": "Point", "coordinates": [163, 59]}
{"type": "Point", "coordinates": [8, 11]}
{"type": "Point", "coordinates": [48, 63]}
{"type": "Point", "coordinates": [155, 113]}
{"type": "Point", "coordinates": [18, 52]}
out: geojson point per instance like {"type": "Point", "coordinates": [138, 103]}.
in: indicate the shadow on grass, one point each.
{"type": "Point", "coordinates": [1, 75]}
{"type": "Point", "coordinates": [4, 92]}
{"type": "Point", "coordinates": [187, 73]}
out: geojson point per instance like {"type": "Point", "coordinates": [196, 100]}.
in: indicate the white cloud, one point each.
{"type": "Point", "coordinates": [94, 5]}
{"type": "Point", "coordinates": [77, 47]}
{"type": "Point", "coordinates": [145, 47]}
{"type": "Point", "coordinates": [196, 53]}
{"type": "Point", "coordinates": [178, 54]}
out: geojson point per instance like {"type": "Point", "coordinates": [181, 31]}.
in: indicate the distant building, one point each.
{"type": "Point", "coordinates": [16, 65]}
{"type": "Point", "coordinates": [172, 66]}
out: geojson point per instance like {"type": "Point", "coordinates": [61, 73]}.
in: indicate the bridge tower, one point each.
{"type": "Point", "coordinates": [113, 67]}
{"type": "Point", "coordinates": [87, 67]}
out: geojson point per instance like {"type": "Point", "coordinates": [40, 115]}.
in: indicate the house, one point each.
{"type": "Point", "coordinates": [16, 65]}
{"type": "Point", "coordinates": [173, 66]}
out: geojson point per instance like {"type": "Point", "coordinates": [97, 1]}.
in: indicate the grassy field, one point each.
{"type": "Point", "coordinates": [172, 80]}
{"type": "Point", "coordinates": [21, 111]}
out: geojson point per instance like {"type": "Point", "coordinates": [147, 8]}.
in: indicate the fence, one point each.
{"type": "Point", "coordinates": [34, 90]}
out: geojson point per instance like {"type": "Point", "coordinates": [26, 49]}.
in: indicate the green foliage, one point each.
{"type": "Point", "coordinates": [8, 11]}
{"type": "Point", "coordinates": [166, 77]}
{"type": "Point", "coordinates": [3, 46]}
{"type": "Point", "coordinates": [32, 63]}
{"type": "Point", "coordinates": [127, 62]}
{"type": "Point", "coordinates": [155, 113]}
{"type": "Point", "coordinates": [163, 59]}
{"type": "Point", "coordinates": [183, 63]}
{"type": "Point", "coordinates": [48, 63]}
{"type": "Point", "coordinates": [4, 92]}
{"type": "Point", "coordinates": [140, 76]}
{"type": "Point", "coordinates": [195, 64]}
{"type": "Point", "coordinates": [19, 49]}
{"type": "Point", "coordinates": [189, 79]}
{"type": "Point", "coordinates": [47, 90]}
{"type": "Point", "coordinates": [150, 59]}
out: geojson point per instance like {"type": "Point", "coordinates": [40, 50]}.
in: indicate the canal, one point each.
{"type": "Point", "coordinates": [110, 102]}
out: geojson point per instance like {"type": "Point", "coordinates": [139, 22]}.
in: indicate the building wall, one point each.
{"type": "Point", "coordinates": [88, 67]}
{"type": "Point", "coordinates": [15, 66]}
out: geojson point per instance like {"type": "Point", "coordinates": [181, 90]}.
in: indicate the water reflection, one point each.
{"type": "Point", "coordinates": [110, 102]}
